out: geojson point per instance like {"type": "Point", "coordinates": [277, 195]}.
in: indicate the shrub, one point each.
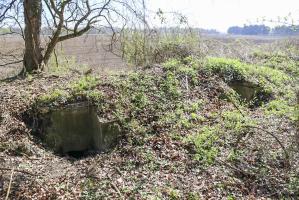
{"type": "Point", "coordinates": [178, 47]}
{"type": "Point", "coordinates": [157, 48]}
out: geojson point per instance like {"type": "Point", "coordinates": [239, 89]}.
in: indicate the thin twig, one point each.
{"type": "Point", "coordinates": [118, 171]}
{"type": "Point", "coordinates": [237, 107]}
{"type": "Point", "coordinates": [21, 171]}
{"type": "Point", "coordinates": [11, 63]}
{"type": "Point", "coordinates": [276, 138]}
{"type": "Point", "coordinates": [111, 183]}
{"type": "Point", "coordinates": [114, 186]}
{"type": "Point", "coordinates": [235, 168]}
{"type": "Point", "coordinates": [9, 185]}
{"type": "Point", "coordinates": [269, 133]}
{"type": "Point", "coordinates": [56, 59]}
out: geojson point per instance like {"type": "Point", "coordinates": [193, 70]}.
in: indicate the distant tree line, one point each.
{"type": "Point", "coordinates": [249, 30]}
{"type": "Point", "coordinates": [286, 30]}
{"type": "Point", "coordinates": [107, 30]}
{"type": "Point", "coordinates": [263, 30]}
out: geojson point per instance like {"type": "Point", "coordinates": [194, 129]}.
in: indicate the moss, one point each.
{"type": "Point", "coordinates": [232, 70]}
{"type": "Point", "coordinates": [83, 89]}
{"type": "Point", "coordinates": [95, 96]}
{"type": "Point", "coordinates": [280, 108]}
{"type": "Point", "coordinates": [205, 144]}
{"type": "Point", "coordinates": [293, 185]}
{"type": "Point", "coordinates": [236, 122]}
{"type": "Point", "coordinates": [53, 96]}
{"type": "Point", "coordinates": [207, 140]}
{"type": "Point", "coordinates": [90, 189]}
{"type": "Point", "coordinates": [278, 61]}
{"type": "Point", "coordinates": [228, 69]}
{"type": "Point", "coordinates": [173, 194]}
{"type": "Point", "coordinates": [271, 81]}
{"type": "Point", "coordinates": [84, 84]}
{"type": "Point", "coordinates": [193, 196]}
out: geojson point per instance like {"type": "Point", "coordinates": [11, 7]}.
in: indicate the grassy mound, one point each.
{"type": "Point", "coordinates": [271, 80]}
{"type": "Point", "coordinates": [179, 130]}
{"type": "Point", "coordinates": [176, 97]}
{"type": "Point", "coordinates": [274, 82]}
{"type": "Point", "coordinates": [278, 61]}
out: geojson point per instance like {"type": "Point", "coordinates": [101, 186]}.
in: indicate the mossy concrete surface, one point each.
{"type": "Point", "coordinates": [246, 90]}
{"type": "Point", "coordinates": [77, 128]}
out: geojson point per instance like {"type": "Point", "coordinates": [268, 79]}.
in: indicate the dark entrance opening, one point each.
{"type": "Point", "coordinates": [250, 93]}
{"type": "Point", "coordinates": [75, 130]}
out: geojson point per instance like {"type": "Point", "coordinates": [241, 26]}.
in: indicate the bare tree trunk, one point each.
{"type": "Point", "coordinates": [50, 49]}
{"type": "Point", "coordinates": [33, 55]}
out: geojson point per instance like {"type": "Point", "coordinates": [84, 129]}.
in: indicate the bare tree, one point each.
{"type": "Point", "coordinates": [65, 19]}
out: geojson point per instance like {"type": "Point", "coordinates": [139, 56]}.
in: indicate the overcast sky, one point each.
{"type": "Point", "coordinates": [220, 14]}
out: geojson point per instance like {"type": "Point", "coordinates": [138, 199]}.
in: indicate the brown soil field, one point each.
{"type": "Point", "coordinates": [89, 50]}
